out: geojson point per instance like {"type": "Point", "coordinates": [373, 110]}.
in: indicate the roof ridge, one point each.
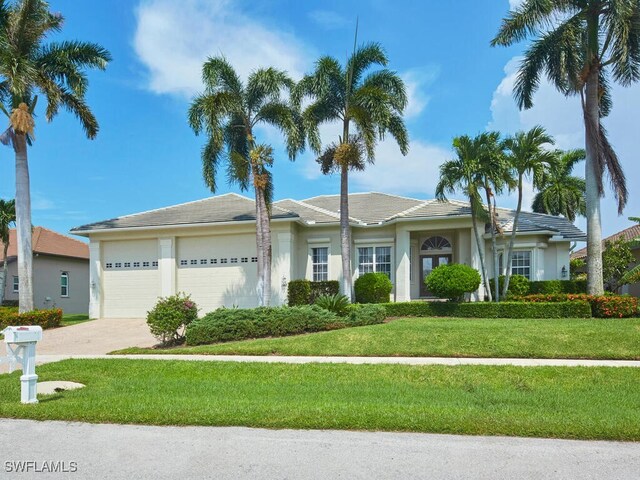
{"type": "Point", "coordinates": [35, 237]}
{"type": "Point", "coordinates": [324, 210]}
{"type": "Point", "coordinates": [423, 203]}
{"type": "Point", "coordinates": [398, 196]}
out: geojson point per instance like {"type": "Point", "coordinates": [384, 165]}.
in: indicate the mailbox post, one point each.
{"type": "Point", "coordinates": [21, 347]}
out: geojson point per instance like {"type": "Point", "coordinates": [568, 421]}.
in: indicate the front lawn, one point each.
{"type": "Point", "coordinates": [451, 337]}
{"type": "Point", "coordinates": [73, 319]}
{"type": "Point", "coordinates": [561, 402]}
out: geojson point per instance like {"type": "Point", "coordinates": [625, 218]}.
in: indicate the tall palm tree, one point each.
{"type": "Point", "coordinates": [559, 192]}
{"type": "Point", "coordinates": [527, 157]}
{"type": "Point", "coordinates": [581, 45]}
{"type": "Point", "coordinates": [369, 102]}
{"type": "Point", "coordinates": [495, 175]}
{"type": "Point", "coordinates": [228, 112]}
{"type": "Point", "coordinates": [7, 219]}
{"type": "Point", "coordinates": [31, 66]}
{"type": "Point", "coordinates": [463, 175]}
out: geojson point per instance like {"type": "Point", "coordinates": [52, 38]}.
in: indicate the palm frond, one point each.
{"type": "Point", "coordinates": [218, 74]}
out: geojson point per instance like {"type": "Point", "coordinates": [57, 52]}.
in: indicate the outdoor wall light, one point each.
{"type": "Point", "coordinates": [563, 272]}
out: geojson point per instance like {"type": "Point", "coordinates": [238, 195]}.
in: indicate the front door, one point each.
{"type": "Point", "coordinates": [427, 264]}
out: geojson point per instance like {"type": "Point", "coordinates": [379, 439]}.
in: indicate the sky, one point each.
{"type": "Point", "coordinates": [146, 156]}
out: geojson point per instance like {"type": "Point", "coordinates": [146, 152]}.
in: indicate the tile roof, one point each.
{"type": "Point", "coordinates": [364, 209]}
{"type": "Point", "coordinates": [48, 242]}
{"type": "Point", "coordinates": [627, 235]}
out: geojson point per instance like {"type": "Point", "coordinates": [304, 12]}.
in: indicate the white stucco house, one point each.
{"type": "Point", "coordinates": [207, 248]}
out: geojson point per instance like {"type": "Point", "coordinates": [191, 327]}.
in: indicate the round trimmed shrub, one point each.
{"type": "Point", "coordinates": [373, 288]}
{"type": "Point", "coordinates": [453, 281]}
{"type": "Point", "coordinates": [170, 316]}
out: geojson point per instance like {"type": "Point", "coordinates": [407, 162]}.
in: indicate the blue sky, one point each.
{"type": "Point", "coordinates": [146, 156]}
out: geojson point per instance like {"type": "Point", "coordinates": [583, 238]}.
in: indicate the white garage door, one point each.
{"type": "Point", "coordinates": [218, 271]}
{"type": "Point", "coordinates": [131, 280]}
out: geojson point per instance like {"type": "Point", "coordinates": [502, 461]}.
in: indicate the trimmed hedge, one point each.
{"type": "Point", "coordinates": [604, 306]}
{"type": "Point", "coordinates": [557, 286]}
{"type": "Point", "coordinates": [306, 292]}
{"type": "Point", "coordinates": [44, 318]}
{"type": "Point", "coordinates": [372, 288]}
{"type": "Point", "coordinates": [453, 281]}
{"type": "Point", "coordinates": [225, 325]}
{"type": "Point", "coordinates": [569, 309]}
{"type": "Point", "coordinates": [518, 284]}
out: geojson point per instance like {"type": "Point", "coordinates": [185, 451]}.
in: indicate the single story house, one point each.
{"type": "Point", "coordinates": [207, 248]}
{"type": "Point", "coordinates": [60, 271]}
{"type": "Point", "coordinates": [628, 234]}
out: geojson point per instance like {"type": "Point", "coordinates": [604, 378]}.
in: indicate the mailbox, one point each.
{"type": "Point", "coordinates": [22, 334]}
{"type": "Point", "coordinates": [21, 347]}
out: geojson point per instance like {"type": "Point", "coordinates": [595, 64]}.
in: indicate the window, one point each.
{"type": "Point", "coordinates": [136, 264]}
{"type": "Point", "coordinates": [15, 284]}
{"type": "Point", "coordinates": [154, 263]}
{"type": "Point", "coordinates": [213, 261]}
{"type": "Point", "coordinates": [183, 263]}
{"type": "Point", "coordinates": [145, 264]}
{"type": "Point", "coordinates": [374, 259]}
{"type": "Point", "coordinates": [234, 260]}
{"type": "Point", "coordinates": [203, 261]}
{"type": "Point", "coordinates": [521, 263]}
{"type": "Point", "coordinates": [109, 265]}
{"type": "Point", "coordinates": [254, 259]}
{"type": "Point", "coordinates": [194, 262]}
{"type": "Point", "coordinates": [320, 263]}
{"type": "Point", "coordinates": [244, 259]}
{"type": "Point", "coordinates": [64, 284]}
{"type": "Point", "coordinates": [436, 243]}
{"type": "Point", "coordinates": [223, 260]}
{"type": "Point", "coordinates": [127, 264]}
{"type": "Point", "coordinates": [118, 265]}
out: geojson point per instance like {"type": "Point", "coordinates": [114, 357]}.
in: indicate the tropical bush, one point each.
{"type": "Point", "coordinates": [602, 306]}
{"type": "Point", "coordinates": [306, 292]}
{"type": "Point", "coordinates": [453, 281]}
{"type": "Point", "coordinates": [224, 325]}
{"type": "Point", "coordinates": [49, 318]}
{"type": "Point", "coordinates": [518, 284]}
{"type": "Point", "coordinates": [372, 288]}
{"type": "Point", "coordinates": [568, 309]}
{"type": "Point", "coordinates": [336, 303]}
{"type": "Point", "coordinates": [558, 286]}
{"type": "Point", "coordinates": [170, 317]}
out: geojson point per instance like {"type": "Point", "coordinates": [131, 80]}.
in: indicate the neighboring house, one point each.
{"type": "Point", "coordinates": [60, 271]}
{"type": "Point", "coordinates": [207, 248]}
{"type": "Point", "coordinates": [627, 235]}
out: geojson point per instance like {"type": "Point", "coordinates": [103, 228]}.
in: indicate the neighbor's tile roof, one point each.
{"type": "Point", "coordinates": [364, 209]}
{"type": "Point", "coordinates": [627, 235]}
{"type": "Point", "coordinates": [48, 242]}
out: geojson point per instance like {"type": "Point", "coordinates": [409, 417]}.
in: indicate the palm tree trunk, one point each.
{"type": "Point", "coordinates": [507, 276]}
{"type": "Point", "coordinates": [595, 284]}
{"type": "Point", "coordinates": [259, 249]}
{"type": "Point", "coordinates": [345, 233]}
{"type": "Point", "coordinates": [265, 229]}
{"type": "Point", "coordinates": [494, 251]}
{"type": "Point", "coordinates": [23, 225]}
{"type": "Point", "coordinates": [483, 268]}
{"type": "Point", "coordinates": [5, 271]}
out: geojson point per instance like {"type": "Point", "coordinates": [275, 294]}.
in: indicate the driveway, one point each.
{"type": "Point", "coordinates": [95, 337]}
{"type": "Point", "coordinates": [129, 451]}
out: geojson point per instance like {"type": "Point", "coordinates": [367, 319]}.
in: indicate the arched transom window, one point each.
{"type": "Point", "coordinates": [436, 243]}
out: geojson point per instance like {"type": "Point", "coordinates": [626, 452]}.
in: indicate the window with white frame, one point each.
{"type": "Point", "coordinates": [320, 263]}
{"type": "Point", "coordinates": [520, 263]}
{"type": "Point", "coordinates": [374, 259]}
{"type": "Point", "coordinates": [64, 284]}
{"type": "Point", "coordinates": [16, 282]}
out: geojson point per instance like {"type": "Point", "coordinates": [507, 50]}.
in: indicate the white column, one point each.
{"type": "Point", "coordinates": [167, 266]}
{"type": "Point", "coordinates": [95, 280]}
{"type": "Point", "coordinates": [282, 268]}
{"type": "Point", "coordinates": [403, 265]}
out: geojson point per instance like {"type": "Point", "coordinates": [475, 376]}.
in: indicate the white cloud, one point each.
{"type": "Point", "coordinates": [562, 117]}
{"type": "Point", "coordinates": [173, 39]}
{"type": "Point", "coordinates": [513, 4]}
{"type": "Point", "coordinates": [416, 82]}
{"type": "Point", "coordinates": [329, 19]}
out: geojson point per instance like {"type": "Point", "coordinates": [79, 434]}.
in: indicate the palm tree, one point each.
{"type": "Point", "coordinates": [228, 112]}
{"type": "Point", "coordinates": [7, 219]}
{"type": "Point", "coordinates": [527, 158]}
{"type": "Point", "coordinates": [581, 45]}
{"type": "Point", "coordinates": [559, 192]}
{"type": "Point", "coordinates": [463, 175]}
{"type": "Point", "coordinates": [495, 176]}
{"type": "Point", "coordinates": [29, 66]}
{"type": "Point", "coordinates": [371, 103]}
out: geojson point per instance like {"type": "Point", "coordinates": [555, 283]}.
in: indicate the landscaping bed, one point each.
{"type": "Point", "coordinates": [450, 337]}
{"type": "Point", "coordinates": [559, 402]}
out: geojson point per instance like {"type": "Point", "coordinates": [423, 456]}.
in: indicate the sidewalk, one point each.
{"type": "Point", "coordinates": [521, 362]}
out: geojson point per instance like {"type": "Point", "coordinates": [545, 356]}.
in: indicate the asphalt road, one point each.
{"type": "Point", "coordinates": [141, 452]}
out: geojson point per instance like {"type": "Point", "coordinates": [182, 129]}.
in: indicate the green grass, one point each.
{"type": "Point", "coordinates": [73, 319]}
{"type": "Point", "coordinates": [568, 402]}
{"type": "Point", "coordinates": [451, 337]}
